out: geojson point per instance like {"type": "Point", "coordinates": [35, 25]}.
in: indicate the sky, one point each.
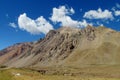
{"type": "Point", "coordinates": [30, 20]}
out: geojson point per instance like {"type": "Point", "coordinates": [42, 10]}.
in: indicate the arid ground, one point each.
{"type": "Point", "coordinates": [101, 73]}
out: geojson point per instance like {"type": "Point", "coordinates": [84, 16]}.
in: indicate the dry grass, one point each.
{"type": "Point", "coordinates": [10, 74]}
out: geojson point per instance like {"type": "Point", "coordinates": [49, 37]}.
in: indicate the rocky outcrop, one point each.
{"type": "Point", "coordinates": [66, 47]}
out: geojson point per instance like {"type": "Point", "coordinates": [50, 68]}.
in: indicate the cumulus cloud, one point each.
{"type": "Point", "coordinates": [40, 25]}
{"type": "Point", "coordinates": [117, 13]}
{"type": "Point", "coordinates": [62, 15]}
{"type": "Point", "coordinates": [13, 25]}
{"type": "Point", "coordinates": [98, 14]}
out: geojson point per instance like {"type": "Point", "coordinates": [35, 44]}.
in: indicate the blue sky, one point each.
{"type": "Point", "coordinates": [23, 20]}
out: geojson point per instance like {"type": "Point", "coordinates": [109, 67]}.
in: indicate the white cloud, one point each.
{"type": "Point", "coordinates": [118, 20]}
{"type": "Point", "coordinates": [62, 15]}
{"type": "Point", "coordinates": [98, 14]}
{"type": "Point", "coordinates": [13, 25]}
{"type": "Point", "coordinates": [113, 8]}
{"type": "Point", "coordinates": [117, 13]}
{"type": "Point", "coordinates": [117, 5]}
{"type": "Point", "coordinates": [99, 24]}
{"type": "Point", "coordinates": [72, 11]}
{"type": "Point", "coordinates": [116, 9]}
{"type": "Point", "coordinates": [40, 25]}
{"type": "Point", "coordinates": [84, 23]}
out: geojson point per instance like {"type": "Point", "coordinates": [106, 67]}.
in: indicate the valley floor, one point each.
{"type": "Point", "coordinates": [28, 74]}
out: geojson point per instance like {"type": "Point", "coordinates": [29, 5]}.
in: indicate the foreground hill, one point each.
{"type": "Point", "coordinates": [68, 47]}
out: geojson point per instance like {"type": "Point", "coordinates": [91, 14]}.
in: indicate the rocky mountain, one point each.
{"type": "Point", "coordinates": [70, 47]}
{"type": "Point", "coordinates": [14, 51]}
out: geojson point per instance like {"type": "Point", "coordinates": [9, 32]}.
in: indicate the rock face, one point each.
{"type": "Point", "coordinates": [67, 46]}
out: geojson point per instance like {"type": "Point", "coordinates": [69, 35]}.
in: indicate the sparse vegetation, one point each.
{"type": "Point", "coordinates": [5, 75]}
{"type": "Point", "coordinates": [25, 74]}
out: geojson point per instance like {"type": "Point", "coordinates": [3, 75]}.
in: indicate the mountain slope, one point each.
{"type": "Point", "coordinates": [67, 47]}
{"type": "Point", "coordinates": [14, 51]}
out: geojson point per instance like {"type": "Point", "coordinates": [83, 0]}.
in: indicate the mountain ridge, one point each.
{"type": "Point", "coordinates": [66, 47]}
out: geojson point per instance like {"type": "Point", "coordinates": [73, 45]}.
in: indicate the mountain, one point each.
{"type": "Point", "coordinates": [14, 51]}
{"type": "Point", "coordinates": [69, 47]}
